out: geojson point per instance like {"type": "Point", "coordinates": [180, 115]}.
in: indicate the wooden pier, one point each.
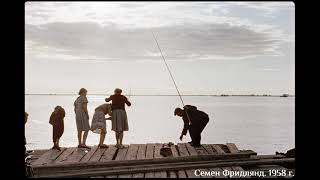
{"type": "Point", "coordinates": [145, 161]}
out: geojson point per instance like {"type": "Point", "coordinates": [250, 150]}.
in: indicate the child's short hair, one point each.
{"type": "Point", "coordinates": [118, 91]}
{"type": "Point", "coordinates": [82, 90]}
{"type": "Point", "coordinates": [57, 107]}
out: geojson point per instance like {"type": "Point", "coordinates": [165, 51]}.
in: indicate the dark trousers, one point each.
{"type": "Point", "coordinates": [195, 131]}
{"type": "Point", "coordinates": [57, 131]}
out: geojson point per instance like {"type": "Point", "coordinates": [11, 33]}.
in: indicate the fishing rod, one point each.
{"type": "Point", "coordinates": [164, 60]}
{"type": "Point", "coordinates": [167, 67]}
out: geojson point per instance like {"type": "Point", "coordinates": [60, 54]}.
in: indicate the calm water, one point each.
{"type": "Point", "coordinates": [262, 124]}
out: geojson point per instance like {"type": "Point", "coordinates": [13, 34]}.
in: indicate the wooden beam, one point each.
{"type": "Point", "coordinates": [48, 157]}
{"type": "Point", "coordinates": [217, 148]}
{"type": "Point", "coordinates": [141, 155]}
{"type": "Point", "coordinates": [175, 174]}
{"type": "Point", "coordinates": [150, 155]}
{"type": "Point", "coordinates": [191, 150]}
{"type": "Point", "coordinates": [109, 154]}
{"type": "Point", "coordinates": [226, 156]}
{"type": "Point", "coordinates": [201, 151]}
{"type": "Point", "coordinates": [97, 155]}
{"type": "Point", "coordinates": [122, 153]}
{"type": "Point", "coordinates": [209, 149]}
{"type": "Point", "coordinates": [161, 174]}
{"type": "Point", "coordinates": [130, 155]}
{"type": "Point", "coordinates": [142, 151]}
{"type": "Point", "coordinates": [76, 155]}
{"type": "Point", "coordinates": [63, 157]}
{"type": "Point", "coordinates": [182, 149]}
{"type": "Point", "coordinates": [232, 148]}
{"type": "Point", "coordinates": [87, 157]}
{"type": "Point", "coordinates": [167, 167]}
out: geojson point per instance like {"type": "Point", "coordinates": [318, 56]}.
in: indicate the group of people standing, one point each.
{"type": "Point", "coordinates": [194, 120]}
{"type": "Point", "coordinates": [116, 111]}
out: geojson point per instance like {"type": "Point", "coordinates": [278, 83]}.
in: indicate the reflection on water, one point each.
{"type": "Point", "coordinates": [262, 124]}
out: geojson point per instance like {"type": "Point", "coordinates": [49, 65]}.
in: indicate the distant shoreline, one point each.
{"type": "Point", "coordinates": [223, 95]}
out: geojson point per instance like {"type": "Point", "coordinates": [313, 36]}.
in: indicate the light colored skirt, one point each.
{"type": "Point", "coordinates": [82, 121]}
{"type": "Point", "coordinates": [119, 120]}
{"type": "Point", "coordinates": [98, 122]}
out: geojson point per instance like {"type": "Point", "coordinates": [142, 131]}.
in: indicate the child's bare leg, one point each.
{"type": "Point", "coordinates": [79, 137]}
{"type": "Point", "coordinates": [120, 137]}
{"type": "Point", "coordinates": [85, 135]}
{"type": "Point", "coordinates": [102, 136]}
{"type": "Point", "coordinates": [117, 137]}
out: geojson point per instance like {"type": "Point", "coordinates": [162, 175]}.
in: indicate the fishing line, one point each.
{"type": "Point", "coordinates": [164, 60]}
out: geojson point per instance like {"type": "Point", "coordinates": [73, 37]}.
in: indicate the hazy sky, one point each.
{"type": "Point", "coordinates": [211, 47]}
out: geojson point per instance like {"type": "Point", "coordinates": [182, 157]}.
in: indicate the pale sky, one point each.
{"type": "Point", "coordinates": [211, 47]}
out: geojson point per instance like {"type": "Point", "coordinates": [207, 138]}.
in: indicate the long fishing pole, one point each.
{"type": "Point", "coordinates": [167, 67]}
{"type": "Point", "coordinates": [164, 60]}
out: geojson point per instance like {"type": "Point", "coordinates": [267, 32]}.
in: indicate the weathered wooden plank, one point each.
{"type": "Point", "coordinates": [111, 176]}
{"type": "Point", "coordinates": [94, 171]}
{"type": "Point", "coordinates": [150, 151]}
{"type": "Point", "coordinates": [125, 176]}
{"type": "Point", "coordinates": [190, 173]}
{"type": "Point", "coordinates": [141, 155]}
{"type": "Point", "coordinates": [161, 174]}
{"type": "Point", "coordinates": [97, 155]}
{"type": "Point", "coordinates": [150, 155]}
{"type": "Point", "coordinates": [209, 149]}
{"type": "Point", "coordinates": [191, 150]}
{"type": "Point", "coordinates": [174, 151]}
{"type": "Point", "coordinates": [218, 173]}
{"type": "Point", "coordinates": [232, 148]}
{"type": "Point", "coordinates": [63, 157]}
{"type": "Point", "coordinates": [157, 148]}
{"type": "Point", "coordinates": [138, 175]}
{"type": "Point", "coordinates": [122, 153]}
{"type": "Point", "coordinates": [130, 155]}
{"type": "Point", "coordinates": [245, 155]}
{"type": "Point", "coordinates": [98, 177]}
{"type": "Point", "coordinates": [132, 152]}
{"type": "Point", "coordinates": [182, 174]}
{"type": "Point", "coordinates": [172, 174]}
{"type": "Point", "coordinates": [217, 148]}
{"type": "Point", "coordinates": [122, 156]}
{"type": "Point", "coordinates": [87, 157]}
{"type": "Point", "coordinates": [182, 149]}
{"type": "Point", "coordinates": [76, 155]}
{"type": "Point", "coordinates": [142, 151]}
{"type": "Point", "coordinates": [48, 157]}
{"type": "Point", "coordinates": [201, 151]}
{"type": "Point", "coordinates": [108, 154]}
{"type": "Point", "coordinates": [278, 156]}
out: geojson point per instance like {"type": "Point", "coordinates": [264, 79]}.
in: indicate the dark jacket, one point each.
{"type": "Point", "coordinates": [118, 101]}
{"type": "Point", "coordinates": [57, 116]}
{"type": "Point", "coordinates": [197, 117]}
